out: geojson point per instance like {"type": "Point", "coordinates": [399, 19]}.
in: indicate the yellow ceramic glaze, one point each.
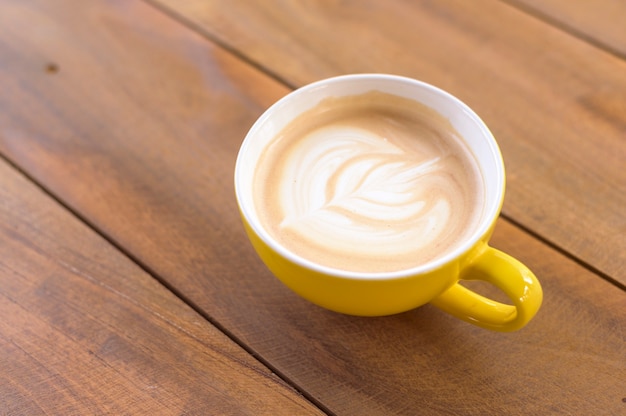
{"type": "Point", "coordinates": [384, 296]}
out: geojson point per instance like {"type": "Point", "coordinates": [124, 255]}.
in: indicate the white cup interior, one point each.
{"type": "Point", "coordinates": [465, 121]}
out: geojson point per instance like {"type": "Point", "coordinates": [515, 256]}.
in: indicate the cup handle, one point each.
{"type": "Point", "coordinates": [506, 273]}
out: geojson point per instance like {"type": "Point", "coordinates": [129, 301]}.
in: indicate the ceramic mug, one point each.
{"type": "Point", "coordinates": [435, 282]}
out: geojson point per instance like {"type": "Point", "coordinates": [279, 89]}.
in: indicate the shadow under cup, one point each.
{"type": "Point", "coordinates": [376, 294]}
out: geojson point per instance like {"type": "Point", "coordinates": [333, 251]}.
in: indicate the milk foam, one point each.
{"type": "Point", "coordinates": [369, 183]}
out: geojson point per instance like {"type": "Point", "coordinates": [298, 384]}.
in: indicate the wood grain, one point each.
{"type": "Point", "coordinates": [86, 331]}
{"type": "Point", "coordinates": [555, 103]}
{"type": "Point", "coordinates": [137, 130]}
{"type": "Point", "coordinates": [601, 22]}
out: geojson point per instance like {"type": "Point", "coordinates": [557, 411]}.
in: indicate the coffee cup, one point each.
{"type": "Point", "coordinates": [374, 194]}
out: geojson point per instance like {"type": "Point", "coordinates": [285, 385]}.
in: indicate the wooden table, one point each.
{"type": "Point", "coordinates": [127, 285]}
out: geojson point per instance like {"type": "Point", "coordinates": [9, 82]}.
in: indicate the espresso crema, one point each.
{"type": "Point", "coordinates": [369, 183]}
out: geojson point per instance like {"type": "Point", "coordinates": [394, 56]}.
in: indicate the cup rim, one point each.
{"type": "Point", "coordinates": [492, 209]}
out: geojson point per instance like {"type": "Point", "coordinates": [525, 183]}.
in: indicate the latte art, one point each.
{"type": "Point", "coordinates": [368, 183]}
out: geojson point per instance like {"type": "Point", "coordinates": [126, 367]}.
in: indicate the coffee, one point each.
{"type": "Point", "coordinates": [369, 183]}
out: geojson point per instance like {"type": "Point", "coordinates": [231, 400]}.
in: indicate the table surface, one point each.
{"type": "Point", "coordinates": [127, 285]}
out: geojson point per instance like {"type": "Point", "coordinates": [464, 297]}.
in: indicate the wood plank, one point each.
{"type": "Point", "coordinates": [86, 331]}
{"type": "Point", "coordinates": [118, 133]}
{"type": "Point", "coordinates": [556, 104]}
{"type": "Point", "coordinates": [601, 21]}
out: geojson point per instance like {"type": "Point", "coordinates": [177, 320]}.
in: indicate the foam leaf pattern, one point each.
{"type": "Point", "coordinates": [354, 188]}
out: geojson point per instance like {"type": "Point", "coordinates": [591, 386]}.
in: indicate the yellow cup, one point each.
{"type": "Point", "coordinates": [436, 282]}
